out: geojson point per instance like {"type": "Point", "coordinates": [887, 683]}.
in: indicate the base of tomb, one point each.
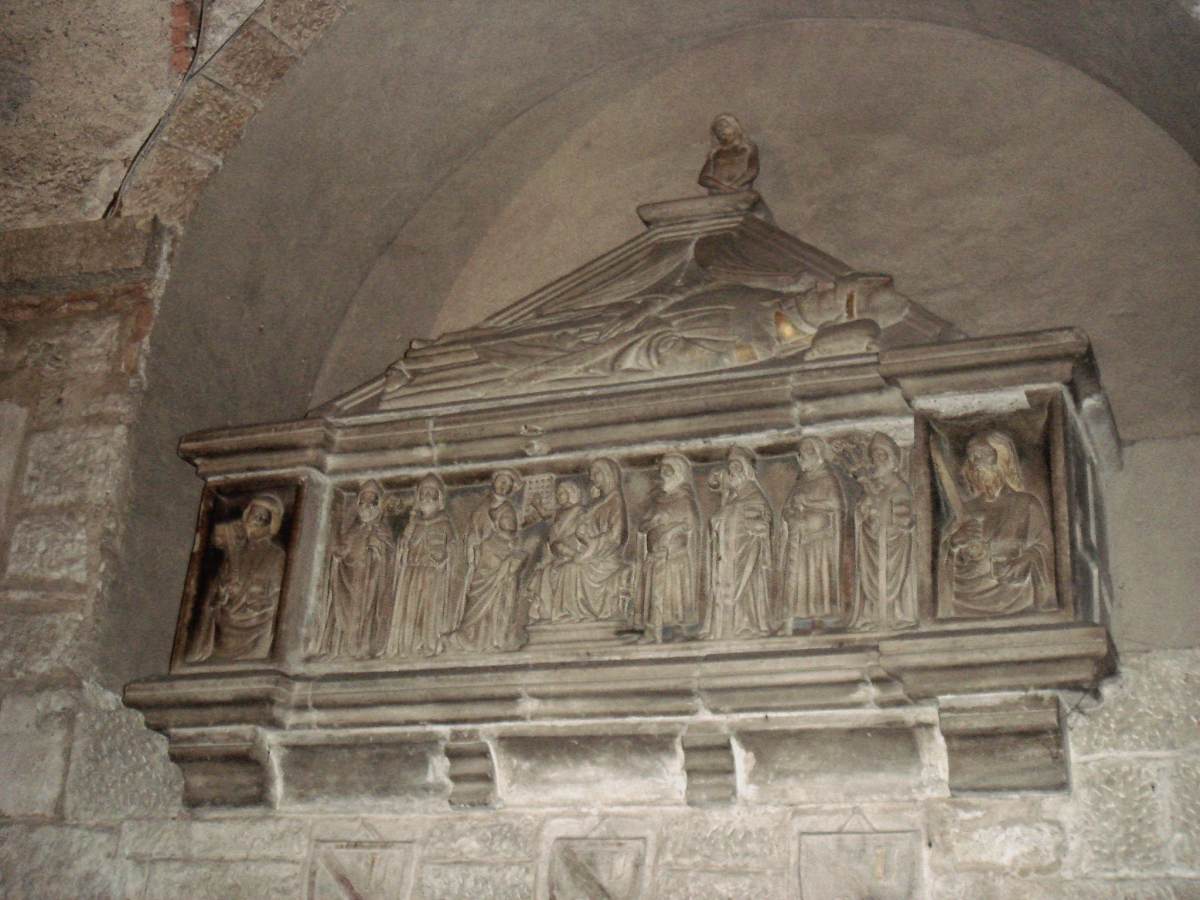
{"type": "Point", "coordinates": [574, 634]}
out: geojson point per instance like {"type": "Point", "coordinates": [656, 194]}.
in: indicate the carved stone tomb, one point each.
{"type": "Point", "coordinates": [715, 504]}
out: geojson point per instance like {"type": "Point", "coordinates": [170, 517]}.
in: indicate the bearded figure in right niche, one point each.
{"type": "Point", "coordinates": [740, 553]}
{"type": "Point", "coordinates": [885, 592]}
{"type": "Point", "coordinates": [669, 552]}
{"type": "Point", "coordinates": [996, 555]}
{"type": "Point", "coordinates": [812, 543]}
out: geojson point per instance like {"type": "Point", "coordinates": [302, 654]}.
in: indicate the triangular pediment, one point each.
{"type": "Point", "coordinates": [711, 285]}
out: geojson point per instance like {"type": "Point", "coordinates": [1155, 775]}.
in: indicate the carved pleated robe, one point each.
{"type": "Point", "coordinates": [812, 542]}
{"type": "Point", "coordinates": [1009, 569]}
{"type": "Point", "coordinates": [424, 573]}
{"type": "Point", "coordinates": [885, 593]}
{"type": "Point", "coordinates": [238, 617]}
{"type": "Point", "coordinates": [493, 617]}
{"type": "Point", "coordinates": [605, 574]}
{"type": "Point", "coordinates": [669, 589]}
{"type": "Point", "coordinates": [740, 564]}
{"type": "Point", "coordinates": [558, 586]}
{"type": "Point", "coordinates": [360, 573]}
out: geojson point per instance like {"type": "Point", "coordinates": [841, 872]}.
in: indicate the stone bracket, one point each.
{"type": "Point", "coordinates": [226, 768]}
{"type": "Point", "coordinates": [1004, 743]}
{"type": "Point", "coordinates": [472, 771]}
{"type": "Point", "coordinates": [710, 766]}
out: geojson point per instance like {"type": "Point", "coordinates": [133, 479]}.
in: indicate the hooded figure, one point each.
{"type": "Point", "coordinates": [424, 555]}
{"type": "Point", "coordinates": [740, 555]}
{"type": "Point", "coordinates": [812, 541]}
{"type": "Point", "coordinates": [885, 593]}
{"type": "Point", "coordinates": [238, 617]}
{"type": "Point", "coordinates": [360, 568]}
{"type": "Point", "coordinates": [996, 556]}
{"type": "Point", "coordinates": [603, 531]}
{"type": "Point", "coordinates": [669, 554]}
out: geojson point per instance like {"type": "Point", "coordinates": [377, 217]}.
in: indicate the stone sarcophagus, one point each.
{"type": "Point", "coordinates": [716, 506]}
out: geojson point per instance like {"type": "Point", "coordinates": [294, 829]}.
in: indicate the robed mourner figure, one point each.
{"type": "Point", "coordinates": [425, 555]}
{"type": "Point", "coordinates": [812, 543]}
{"type": "Point", "coordinates": [886, 592]}
{"type": "Point", "coordinates": [740, 553]}
{"type": "Point", "coordinates": [360, 568]}
{"type": "Point", "coordinates": [996, 555]}
{"type": "Point", "coordinates": [669, 552]}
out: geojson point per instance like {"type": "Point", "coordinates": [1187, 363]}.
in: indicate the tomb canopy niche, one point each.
{"type": "Point", "coordinates": [712, 475]}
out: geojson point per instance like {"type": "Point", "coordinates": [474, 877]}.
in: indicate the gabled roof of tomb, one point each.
{"type": "Point", "coordinates": [711, 285]}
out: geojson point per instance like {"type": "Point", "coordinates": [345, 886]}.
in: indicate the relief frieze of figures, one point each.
{"type": "Point", "coordinates": [821, 535]}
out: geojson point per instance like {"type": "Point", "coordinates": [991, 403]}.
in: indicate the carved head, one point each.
{"type": "Point", "coordinates": [567, 493]}
{"type": "Point", "coordinates": [741, 465]}
{"type": "Point", "coordinates": [674, 471]}
{"type": "Point", "coordinates": [263, 517]}
{"type": "Point", "coordinates": [506, 519]}
{"type": "Point", "coordinates": [727, 130]}
{"type": "Point", "coordinates": [505, 482]}
{"type": "Point", "coordinates": [605, 476]}
{"type": "Point", "coordinates": [369, 502]}
{"type": "Point", "coordinates": [992, 465]}
{"type": "Point", "coordinates": [811, 451]}
{"type": "Point", "coordinates": [431, 496]}
{"type": "Point", "coordinates": [884, 453]}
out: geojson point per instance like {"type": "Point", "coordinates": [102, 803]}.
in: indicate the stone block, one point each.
{"type": "Point", "coordinates": [879, 865]}
{"type": "Point", "coordinates": [54, 548]}
{"type": "Point", "coordinates": [38, 645]}
{"type": "Point", "coordinates": [701, 884]}
{"type": "Point", "coordinates": [299, 22]}
{"type": "Point", "coordinates": [367, 870]}
{"type": "Point", "coordinates": [736, 839]}
{"type": "Point", "coordinates": [831, 765]}
{"type": "Point", "coordinates": [1010, 744]}
{"type": "Point", "coordinates": [251, 62]}
{"type": "Point", "coordinates": [259, 839]}
{"type": "Point", "coordinates": [453, 881]}
{"type": "Point", "coordinates": [119, 768]}
{"type": "Point", "coordinates": [1119, 817]}
{"type": "Point", "coordinates": [33, 746]}
{"type": "Point", "coordinates": [70, 401]}
{"type": "Point", "coordinates": [1153, 705]}
{"type": "Point", "coordinates": [75, 464]}
{"type": "Point", "coordinates": [59, 861]}
{"type": "Point", "coordinates": [31, 255]}
{"type": "Point", "coordinates": [992, 887]}
{"type": "Point", "coordinates": [476, 838]}
{"type": "Point", "coordinates": [12, 436]}
{"type": "Point", "coordinates": [370, 772]}
{"type": "Point", "coordinates": [209, 118]}
{"type": "Point", "coordinates": [1185, 813]}
{"type": "Point", "coordinates": [170, 880]}
{"type": "Point", "coordinates": [612, 769]}
{"type": "Point", "coordinates": [147, 839]}
{"type": "Point", "coordinates": [76, 347]}
{"type": "Point", "coordinates": [168, 181]}
{"type": "Point", "coordinates": [1015, 837]}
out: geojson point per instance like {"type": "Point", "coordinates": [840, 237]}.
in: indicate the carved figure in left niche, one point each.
{"type": "Point", "coordinates": [740, 553]}
{"type": "Point", "coordinates": [996, 556]}
{"type": "Point", "coordinates": [360, 570]}
{"type": "Point", "coordinates": [557, 585]}
{"type": "Point", "coordinates": [812, 542]}
{"type": "Point", "coordinates": [423, 609]}
{"type": "Point", "coordinates": [604, 530]}
{"type": "Point", "coordinates": [238, 617]}
{"type": "Point", "coordinates": [669, 553]}
{"type": "Point", "coordinates": [493, 617]}
{"type": "Point", "coordinates": [885, 593]}
{"type": "Point", "coordinates": [732, 164]}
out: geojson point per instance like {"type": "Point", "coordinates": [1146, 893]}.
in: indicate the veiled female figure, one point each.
{"type": "Point", "coordinates": [886, 594]}
{"type": "Point", "coordinates": [669, 552]}
{"type": "Point", "coordinates": [603, 531]}
{"type": "Point", "coordinates": [812, 541]}
{"type": "Point", "coordinates": [423, 575]}
{"type": "Point", "coordinates": [557, 586]}
{"type": "Point", "coordinates": [740, 558]}
{"type": "Point", "coordinates": [238, 618]}
{"type": "Point", "coordinates": [493, 618]}
{"type": "Point", "coordinates": [359, 573]}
